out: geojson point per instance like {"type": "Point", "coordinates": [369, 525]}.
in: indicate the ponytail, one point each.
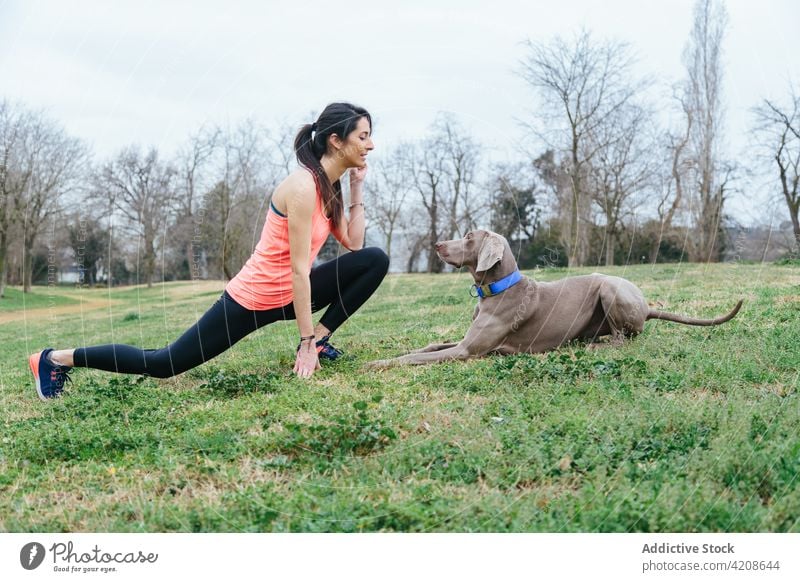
{"type": "Point", "coordinates": [309, 153]}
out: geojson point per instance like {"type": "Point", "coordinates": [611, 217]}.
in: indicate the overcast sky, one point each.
{"type": "Point", "coordinates": [120, 72]}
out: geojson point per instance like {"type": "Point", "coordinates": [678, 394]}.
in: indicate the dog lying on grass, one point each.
{"type": "Point", "coordinates": [515, 314]}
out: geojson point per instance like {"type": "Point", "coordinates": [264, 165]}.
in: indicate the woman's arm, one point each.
{"type": "Point", "coordinates": [350, 233]}
{"type": "Point", "coordinates": [300, 205]}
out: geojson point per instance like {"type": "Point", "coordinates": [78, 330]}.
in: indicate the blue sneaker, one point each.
{"type": "Point", "coordinates": [326, 351]}
{"type": "Point", "coordinates": [49, 377]}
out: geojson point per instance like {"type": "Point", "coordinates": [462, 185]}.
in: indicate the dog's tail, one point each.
{"type": "Point", "coordinates": [655, 314]}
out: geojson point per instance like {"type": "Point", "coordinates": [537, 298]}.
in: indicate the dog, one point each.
{"type": "Point", "coordinates": [515, 314]}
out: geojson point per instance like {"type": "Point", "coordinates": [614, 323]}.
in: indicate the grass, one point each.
{"type": "Point", "coordinates": [16, 300]}
{"type": "Point", "coordinates": [682, 429]}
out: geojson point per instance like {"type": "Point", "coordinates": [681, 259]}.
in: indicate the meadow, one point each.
{"type": "Point", "coordinates": [681, 429]}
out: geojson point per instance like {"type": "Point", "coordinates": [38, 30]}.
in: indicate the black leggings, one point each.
{"type": "Point", "coordinates": [344, 284]}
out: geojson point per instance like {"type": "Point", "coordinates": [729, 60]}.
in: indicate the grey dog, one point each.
{"type": "Point", "coordinates": [516, 314]}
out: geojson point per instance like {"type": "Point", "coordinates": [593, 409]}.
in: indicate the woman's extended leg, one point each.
{"type": "Point", "coordinates": [224, 324]}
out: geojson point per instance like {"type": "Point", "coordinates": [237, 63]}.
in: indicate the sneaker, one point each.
{"type": "Point", "coordinates": [326, 351]}
{"type": "Point", "coordinates": [49, 377]}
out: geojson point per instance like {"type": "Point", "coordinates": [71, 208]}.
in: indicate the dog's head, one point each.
{"type": "Point", "coordinates": [479, 250]}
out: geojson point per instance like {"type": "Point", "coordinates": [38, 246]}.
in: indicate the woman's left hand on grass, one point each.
{"type": "Point", "coordinates": [307, 362]}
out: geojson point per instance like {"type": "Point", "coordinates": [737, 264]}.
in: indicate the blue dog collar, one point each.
{"type": "Point", "coordinates": [498, 286]}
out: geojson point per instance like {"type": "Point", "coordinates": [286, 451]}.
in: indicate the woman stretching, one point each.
{"type": "Point", "coordinates": [277, 282]}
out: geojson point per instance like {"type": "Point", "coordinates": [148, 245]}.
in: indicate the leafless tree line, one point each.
{"type": "Point", "coordinates": [198, 215]}
{"type": "Point", "coordinates": [607, 168]}
{"type": "Point", "coordinates": [39, 165]}
{"type": "Point", "coordinates": [137, 216]}
{"type": "Point", "coordinates": [614, 157]}
{"type": "Point", "coordinates": [777, 129]}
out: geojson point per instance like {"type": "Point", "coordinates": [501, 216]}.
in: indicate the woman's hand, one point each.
{"type": "Point", "coordinates": [307, 361]}
{"type": "Point", "coordinates": [357, 176]}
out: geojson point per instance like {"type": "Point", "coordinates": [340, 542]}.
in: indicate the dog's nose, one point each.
{"type": "Point", "coordinates": [438, 245]}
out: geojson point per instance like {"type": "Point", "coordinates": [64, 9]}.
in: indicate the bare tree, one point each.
{"type": "Point", "coordinates": [620, 169]}
{"type": "Point", "coordinates": [672, 182]}
{"type": "Point", "coordinates": [14, 176]}
{"type": "Point", "coordinates": [281, 141]}
{"type": "Point", "coordinates": [236, 204]}
{"type": "Point", "coordinates": [581, 84]}
{"type": "Point", "coordinates": [142, 189]}
{"type": "Point", "coordinates": [778, 129]}
{"type": "Point", "coordinates": [460, 166]}
{"type": "Point", "coordinates": [192, 160]}
{"type": "Point", "coordinates": [703, 61]}
{"type": "Point", "coordinates": [57, 164]}
{"type": "Point", "coordinates": [191, 180]}
{"type": "Point", "coordinates": [387, 190]}
{"type": "Point", "coordinates": [427, 171]}
{"type": "Point", "coordinates": [444, 172]}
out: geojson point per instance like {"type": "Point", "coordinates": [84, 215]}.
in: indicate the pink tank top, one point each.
{"type": "Point", "coordinates": [265, 281]}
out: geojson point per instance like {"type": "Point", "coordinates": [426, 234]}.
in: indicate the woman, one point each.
{"type": "Point", "coordinates": [277, 282]}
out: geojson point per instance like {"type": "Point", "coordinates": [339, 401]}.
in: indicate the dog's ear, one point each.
{"type": "Point", "coordinates": [491, 252]}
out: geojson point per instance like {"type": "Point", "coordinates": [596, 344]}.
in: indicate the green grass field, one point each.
{"type": "Point", "coordinates": [682, 429]}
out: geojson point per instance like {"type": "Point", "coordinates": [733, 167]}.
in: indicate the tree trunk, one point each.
{"type": "Point", "coordinates": [27, 268]}
{"type": "Point", "coordinates": [28, 241]}
{"type": "Point", "coordinates": [149, 260]}
{"type": "Point", "coordinates": [666, 223]}
{"type": "Point", "coordinates": [796, 226]}
{"type": "Point", "coordinates": [792, 202]}
{"type": "Point", "coordinates": [388, 243]}
{"type": "Point", "coordinates": [710, 226]}
{"type": "Point", "coordinates": [574, 260]}
{"type": "Point", "coordinates": [3, 263]}
{"type": "Point", "coordinates": [434, 265]}
{"type": "Point", "coordinates": [414, 255]}
{"type": "Point", "coordinates": [655, 246]}
{"type": "Point", "coordinates": [573, 242]}
{"type": "Point", "coordinates": [609, 248]}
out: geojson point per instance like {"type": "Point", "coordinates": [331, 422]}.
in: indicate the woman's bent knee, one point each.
{"type": "Point", "coordinates": [376, 258]}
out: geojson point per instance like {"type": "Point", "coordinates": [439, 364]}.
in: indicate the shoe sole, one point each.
{"type": "Point", "coordinates": [33, 362]}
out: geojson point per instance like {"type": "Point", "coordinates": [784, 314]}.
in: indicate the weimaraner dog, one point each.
{"type": "Point", "coordinates": [516, 314]}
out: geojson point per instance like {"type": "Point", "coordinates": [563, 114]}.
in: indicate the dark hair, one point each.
{"type": "Point", "coordinates": [312, 142]}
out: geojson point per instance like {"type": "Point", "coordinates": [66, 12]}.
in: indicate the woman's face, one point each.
{"type": "Point", "coordinates": [358, 144]}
